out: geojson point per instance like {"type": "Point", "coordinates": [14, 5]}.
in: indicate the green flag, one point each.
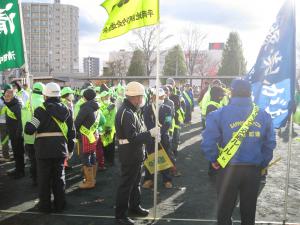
{"type": "Point", "coordinates": [125, 15]}
{"type": "Point", "coordinates": [11, 45]}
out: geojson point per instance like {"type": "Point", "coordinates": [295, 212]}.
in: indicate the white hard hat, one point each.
{"type": "Point", "coordinates": [170, 81]}
{"type": "Point", "coordinates": [161, 92]}
{"type": "Point", "coordinates": [52, 90]}
{"type": "Point", "coordinates": [134, 89]}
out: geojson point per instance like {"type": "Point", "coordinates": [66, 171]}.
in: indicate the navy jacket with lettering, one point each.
{"type": "Point", "coordinates": [257, 147]}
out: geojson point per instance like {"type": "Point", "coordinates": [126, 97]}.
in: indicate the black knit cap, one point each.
{"type": "Point", "coordinates": [89, 94]}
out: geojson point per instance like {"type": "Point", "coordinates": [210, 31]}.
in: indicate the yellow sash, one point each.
{"type": "Point", "coordinates": [89, 133]}
{"type": "Point", "coordinates": [233, 145]}
{"type": "Point", "coordinates": [10, 113]}
{"type": "Point", "coordinates": [62, 125]}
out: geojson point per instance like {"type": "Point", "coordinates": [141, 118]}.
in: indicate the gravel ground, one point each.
{"type": "Point", "coordinates": [191, 201]}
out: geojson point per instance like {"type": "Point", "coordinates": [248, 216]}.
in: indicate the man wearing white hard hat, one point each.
{"type": "Point", "coordinates": [53, 124]}
{"type": "Point", "coordinates": [131, 137]}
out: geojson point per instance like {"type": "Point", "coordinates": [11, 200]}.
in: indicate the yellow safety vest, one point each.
{"type": "Point", "coordinates": [188, 98]}
{"type": "Point", "coordinates": [180, 113]}
{"type": "Point", "coordinates": [89, 133]}
{"type": "Point", "coordinates": [62, 125]}
{"type": "Point", "coordinates": [235, 142]}
{"type": "Point", "coordinates": [171, 130]}
{"type": "Point", "coordinates": [216, 104]}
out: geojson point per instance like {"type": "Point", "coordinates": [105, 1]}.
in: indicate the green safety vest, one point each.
{"type": "Point", "coordinates": [89, 133]}
{"type": "Point", "coordinates": [35, 101]}
{"type": "Point", "coordinates": [62, 125]}
{"type": "Point", "coordinates": [235, 142]}
{"type": "Point", "coordinates": [108, 137]}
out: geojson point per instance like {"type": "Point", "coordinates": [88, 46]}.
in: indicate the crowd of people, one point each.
{"type": "Point", "coordinates": [49, 123]}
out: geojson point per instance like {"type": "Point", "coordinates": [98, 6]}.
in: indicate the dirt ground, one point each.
{"type": "Point", "coordinates": [191, 201]}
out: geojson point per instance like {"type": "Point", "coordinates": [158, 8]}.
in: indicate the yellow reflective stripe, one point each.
{"type": "Point", "coordinates": [217, 105]}
{"type": "Point", "coordinates": [10, 114]}
{"type": "Point", "coordinates": [89, 133]}
{"type": "Point", "coordinates": [3, 110]}
{"type": "Point", "coordinates": [5, 140]}
{"type": "Point", "coordinates": [233, 145]}
{"type": "Point", "coordinates": [172, 126]}
{"type": "Point", "coordinates": [176, 126]}
{"type": "Point", "coordinates": [62, 125]}
{"type": "Point", "coordinates": [180, 115]}
{"type": "Point", "coordinates": [188, 98]}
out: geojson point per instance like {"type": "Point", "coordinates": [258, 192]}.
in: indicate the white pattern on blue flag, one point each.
{"type": "Point", "coordinates": [273, 74]}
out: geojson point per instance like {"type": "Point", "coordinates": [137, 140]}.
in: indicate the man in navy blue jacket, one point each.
{"type": "Point", "coordinates": [242, 173]}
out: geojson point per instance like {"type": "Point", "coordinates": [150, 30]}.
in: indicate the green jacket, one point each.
{"type": "Point", "coordinates": [77, 107]}
{"type": "Point", "coordinates": [108, 129]}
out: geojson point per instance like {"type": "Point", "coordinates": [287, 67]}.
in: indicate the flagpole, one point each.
{"type": "Point", "coordinates": [287, 180]}
{"type": "Point", "coordinates": [26, 68]}
{"type": "Point", "coordinates": [156, 122]}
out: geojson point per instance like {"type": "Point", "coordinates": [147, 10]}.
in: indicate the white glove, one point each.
{"type": "Point", "coordinates": [154, 132]}
{"type": "Point", "coordinates": [69, 155]}
{"type": "Point", "coordinates": [159, 138]}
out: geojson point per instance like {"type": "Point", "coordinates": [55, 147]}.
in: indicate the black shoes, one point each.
{"type": "Point", "coordinates": [139, 211]}
{"type": "Point", "coordinates": [125, 221]}
{"type": "Point", "coordinates": [135, 212]}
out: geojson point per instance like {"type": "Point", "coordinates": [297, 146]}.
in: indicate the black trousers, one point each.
{"type": "Point", "coordinates": [51, 177]}
{"type": "Point", "coordinates": [188, 114]}
{"type": "Point", "coordinates": [231, 181]}
{"type": "Point", "coordinates": [31, 154]}
{"type": "Point", "coordinates": [175, 141]}
{"type": "Point", "coordinates": [4, 140]}
{"type": "Point", "coordinates": [129, 191]}
{"type": "Point", "coordinates": [109, 153]}
{"type": "Point", "coordinates": [17, 145]}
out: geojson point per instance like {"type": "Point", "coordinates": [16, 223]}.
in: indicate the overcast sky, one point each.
{"type": "Point", "coordinates": [250, 18]}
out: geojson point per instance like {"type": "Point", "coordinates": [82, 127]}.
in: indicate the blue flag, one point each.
{"type": "Point", "coordinates": [273, 75]}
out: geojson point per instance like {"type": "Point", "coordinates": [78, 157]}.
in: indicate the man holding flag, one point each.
{"type": "Point", "coordinates": [125, 15]}
{"type": "Point", "coordinates": [131, 138]}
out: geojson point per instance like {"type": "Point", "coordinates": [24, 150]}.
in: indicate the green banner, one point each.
{"type": "Point", "coordinates": [11, 45]}
{"type": "Point", "coordinates": [125, 15]}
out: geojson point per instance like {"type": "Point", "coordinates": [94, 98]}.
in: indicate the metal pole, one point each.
{"type": "Point", "coordinates": [26, 69]}
{"type": "Point", "coordinates": [287, 180]}
{"type": "Point", "coordinates": [156, 124]}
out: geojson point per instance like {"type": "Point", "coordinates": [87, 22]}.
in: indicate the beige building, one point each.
{"type": "Point", "coordinates": [51, 34]}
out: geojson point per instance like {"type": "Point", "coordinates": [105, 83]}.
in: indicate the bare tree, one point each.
{"type": "Point", "coordinates": [192, 40]}
{"type": "Point", "coordinates": [146, 41]}
{"type": "Point", "coordinates": [118, 66]}
{"type": "Point", "coordinates": [205, 64]}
